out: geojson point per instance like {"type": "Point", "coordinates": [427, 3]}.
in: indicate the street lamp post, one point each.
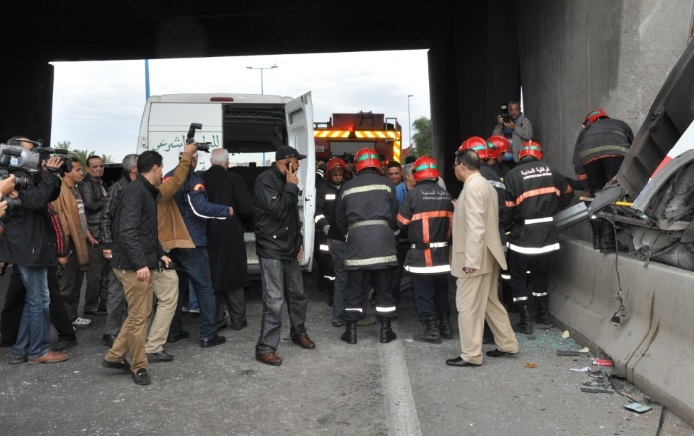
{"type": "Point", "coordinates": [261, 74]}
{"type": "Point", "coordinates": [409, 121]}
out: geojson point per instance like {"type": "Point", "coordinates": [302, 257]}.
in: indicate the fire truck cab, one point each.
{"type": "Point", "coordinates": [349, 133]}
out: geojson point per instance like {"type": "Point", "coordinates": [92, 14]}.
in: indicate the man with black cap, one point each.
{"type": "Point", "coordinates": [279, 245]}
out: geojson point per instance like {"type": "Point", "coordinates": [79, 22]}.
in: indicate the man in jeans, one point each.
{"type": "Point", "coordinates": [33, 256]}
{"type": "Point", "coordinates": [279, 246]}
{"type": "Point", "coordinates": [196, 210]}
{"type": "Point", "coordinates": [94, 193]}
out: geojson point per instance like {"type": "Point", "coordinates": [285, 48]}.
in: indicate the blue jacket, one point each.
{"type": "Point", "coordinates": [195, 208]}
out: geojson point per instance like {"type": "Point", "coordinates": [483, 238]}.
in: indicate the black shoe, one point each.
{"type": "Point", "coordinates": [222, 326]}
{"type": "Point", "coordinates": [459, 361]}
{"type": "Point", "coordinates": [63, 345]}
{"type": "Point", "coordinates": [108, 340]}
{"type": "Point", "coordinates": [123, 366]}
{"type": "Point", "coordinates": [239, 325]}
{"type": "Point", "coordinates": [498, 353]}
{"type": "Point", "coordinates": [95, 312]}
{"type": "Point", "coordinates": [339, 323]}
{"type": "Point", "coordinates": [141, 377]}
{"type": "Point", "coordinates": [178, 336]}
{"type": "Point", "coordinates": [214, 340]}
{"type": "Point", "coordinates": [161, 356]}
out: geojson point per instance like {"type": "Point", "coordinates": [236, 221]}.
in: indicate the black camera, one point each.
{"type": "Point", "coordinates": [162, 265]}
{"type": "Point", "coordinates": [202, 146]}
{"type": "Point", "coordinates": [16, 156]}
{"type": "Point", "coordinates": [504, 114]}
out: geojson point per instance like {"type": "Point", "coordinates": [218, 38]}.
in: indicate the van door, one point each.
{"type": "Point", "coordinates": [300, 129]}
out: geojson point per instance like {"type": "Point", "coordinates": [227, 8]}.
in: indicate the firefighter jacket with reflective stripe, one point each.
{"type": "Point", "coordinates": [427, 213]}
{"type": "Point", "coordinates": [326, 198]}
{"type": "Point", "coordinates": [492, 176]}
{"type": "Point", "coordinates": [534, 193]}
{"type": "Point", "coordinates": [365, 212]}
{"type": "Point", "coordinates": [606, 137]}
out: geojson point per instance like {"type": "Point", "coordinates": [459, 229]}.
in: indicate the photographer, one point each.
{"type": "Point", "coordinates": [514, 126]}
{"type": "Point", "coordinates": [6, 187]}
{"type": "Point", "coordinates": [28, 242]}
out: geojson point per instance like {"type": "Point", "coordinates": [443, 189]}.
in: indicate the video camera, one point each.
{"type": "Point", "coordinates": [504, 114]}
{"type": "Point", "coordinates": [202, 146]}
{"type": "Point", "coordinates": [13, 157]}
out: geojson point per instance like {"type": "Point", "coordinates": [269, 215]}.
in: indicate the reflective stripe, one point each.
{"type": "Point", "coordinates": [506, 276]}
{"type": "Point", "coordinates": [318, 218]}
{"type": "Point", "coordinates": [324, 247]}
{"type": "Point", "coordinates": [329, 196]}
{"type": "Point", "coordinates": [403, 220]}
{"type": "Point", "coordinates": [520, 299]}
{"type": "Point", "coordinates": [532, 193]}
{"type": "Point", "coordinates": [360, 189]}
{"type": "Point", "coordinates": [190, 202]}
{"type": "Point", "coordinates": [540, 220]}
{"type": "Point", "coordinates": [428, 269]}
{"type": "Point", "coordinates": [602, 150]}
{"type": "Point", "coordinates": [331, 278]}
{"type": "Point", "coordinates": [385, 309]}
{"type": "Point", "coordinates": [534, 250]}
{"type": "Point", "coordinates": [368, 223]}
{"type": "Point", "coordinates": [371, 261]}
{"type": "Point", "coordinates": [431, 245]}
{"type": "Point", "coordinates": [540, 294]}
{"type": "Point", "coordinates": [358, 309]}
{"type": "Point", "coordinates": [496, 184]}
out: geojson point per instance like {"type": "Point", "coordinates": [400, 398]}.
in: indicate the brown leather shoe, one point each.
{"type": "Point", "coordinates": [269, 359]}
{"type": "Point", "coordinates": [50, 357]}
{"type": "Point", "coordinates": [305, 342]}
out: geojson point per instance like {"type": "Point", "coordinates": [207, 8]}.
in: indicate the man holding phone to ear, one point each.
{"type": "Point", "coordinates": [279, 245]}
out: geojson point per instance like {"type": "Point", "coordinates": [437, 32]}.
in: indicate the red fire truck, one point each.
{"type": "Point", "coordinates": [349, 133]}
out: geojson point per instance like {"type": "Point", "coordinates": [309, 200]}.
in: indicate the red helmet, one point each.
{"type": "Point", "coordinates": [424, 168]}
{"type": "Point", "coordinates": [479, 145]}
{"type": "Point", "coordinates": [366, 158]}
{"type": "Point", "coordinates": [593, 116]}
{"type": "Point", "coordinates": [497, 144]}
{"type": "Point", "coordinates": [530, 148]}
{"type": "Point", "coordinates": [335, 163]}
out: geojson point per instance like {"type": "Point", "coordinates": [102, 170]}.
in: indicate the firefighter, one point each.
{"type": "Point", "coordinates": [326, 194]}
{"type": "Point", "coordinates": [427, 213]}
{"type": "Point", "coordinates": [598, 154]}
{"type": "Point", "coordinates": [365, 214]}
{"type": "Point", "coordinates": [534, 193]}
{"type": "Point", "coordinates": [498, 148]}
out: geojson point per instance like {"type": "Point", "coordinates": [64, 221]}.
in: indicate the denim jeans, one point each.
{"type": "Point", "coordinates": [33, 338]}
{"type": "Point", "coordinates": [276, 277]}
{"type": "Point", "coordinates": [338, 250]}
{"type": "Point", "coordinates": [195, 263]}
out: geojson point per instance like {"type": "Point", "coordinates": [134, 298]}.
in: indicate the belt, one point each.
{"type": "Point", "coordinates": [421, 246]}
{"type": "Point", "coordinates": [368, 223]}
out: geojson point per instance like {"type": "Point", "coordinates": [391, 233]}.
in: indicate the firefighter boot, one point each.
{"type": "Point", "coordinates": [431, 334]}
{"type": "Point", "coordinates": [445, 327]}
{"type": "Point", "coordinates": [608, 242]}
{"type": "Point", "coordinates": [387, 334]}
{"type": "Point", "coordinates": [542, 312]}
{"type": "Point", "coordinates": [525, 325]}
{"type": "Point", "coordinates": [350, 334]}
{"type": "Point", "coordinates": [596, 228]}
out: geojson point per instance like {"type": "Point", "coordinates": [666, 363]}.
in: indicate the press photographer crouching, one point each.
{"type": "Point", "coordinates": [28, 243]}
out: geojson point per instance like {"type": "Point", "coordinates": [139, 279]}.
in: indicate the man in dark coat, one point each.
{"type": "Point", "coordinates": [225, 243]}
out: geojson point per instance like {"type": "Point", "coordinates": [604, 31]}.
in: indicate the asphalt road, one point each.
{"type": "Point", "coordinates": [401, 388]}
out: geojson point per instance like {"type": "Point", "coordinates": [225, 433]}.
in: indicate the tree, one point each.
{"type": "Point", "coordinates": [82, 155]}
{"type": "Point", "coordinates": [422, 138]}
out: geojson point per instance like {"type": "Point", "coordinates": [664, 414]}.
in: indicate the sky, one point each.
{"type": "Point", "coordinates": [98, 105]}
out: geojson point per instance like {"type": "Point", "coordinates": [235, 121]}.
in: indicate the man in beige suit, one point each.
{"type": "Point", "coordinates": [475, 260]}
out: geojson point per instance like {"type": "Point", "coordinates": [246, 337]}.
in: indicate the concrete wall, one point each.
{"type": "Point", "coordinates": [653, 344]}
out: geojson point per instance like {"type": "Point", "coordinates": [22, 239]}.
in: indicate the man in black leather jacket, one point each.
{"type": "Point", "coordinates": [279, 246]}
{"type": "Point", "coordinates": [94, 193]}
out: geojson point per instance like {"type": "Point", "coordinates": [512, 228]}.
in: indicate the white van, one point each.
{"type": "Point", "coordinates": [251, 127]}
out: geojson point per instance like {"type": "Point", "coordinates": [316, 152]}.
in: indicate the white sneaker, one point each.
{"type": "Point", "coordinates": [81, 321]}
{"type": "Point", "coordinates": [194, 310]}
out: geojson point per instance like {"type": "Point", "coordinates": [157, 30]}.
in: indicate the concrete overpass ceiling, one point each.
{"type": "Point", "coordinates": [88, 30]}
